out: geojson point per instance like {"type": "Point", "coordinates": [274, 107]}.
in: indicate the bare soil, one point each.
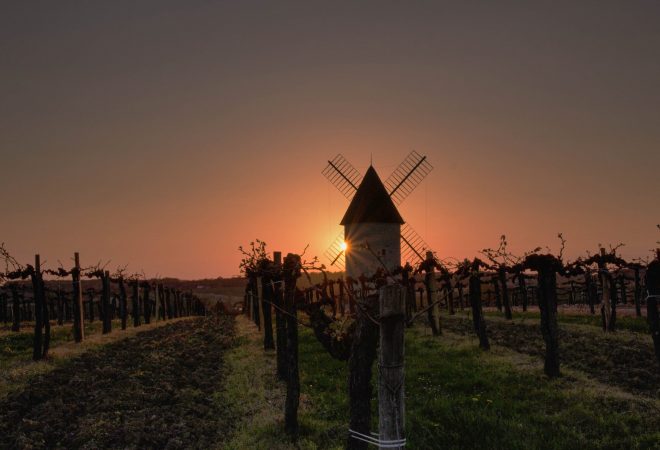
{"type": "Point", "coordinates": [159, 389]}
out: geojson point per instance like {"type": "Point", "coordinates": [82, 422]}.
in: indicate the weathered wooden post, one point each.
{"type": "Point", "coordinates": [461, 299]}
{"type": "Point", "coordinates": [158, 292]}
{"type": "Point", "coordinates": [260, 300]}
{"type": "Point", "coordinates": [475, 303]}
{"type": "Point", "coordinates": [266, 304]}
{"type": "Point", "coordinates": [523, 290]}
{"type": "Point", "coordinates": [421, 291]}
{"type": "Point", "coordinates": [15, 308]}
{"type": "Point", "coordinates": [591, 291]}
{"type": "Point", "coordinates": [391, 397]}
{"type": "Point", "coordinates": [505, 293]}
{"type": "Point", "coordinates": [39, 306]}
{"type": "Point", "coordinates": [291, 272]}
{"type": "Point", "coordinates": [638, 293]}
{"type": "Point", "coordinates": [622, 286]}
{"type": "Point", "coordinates": [652, 316]}
{"type": "Point", "coordinates": [135, 302]}
{"type": "Point", "coordinates": [123, 302]}
{"type": "Point", "coordinates": [105, 302]}
{"type": "Point", "coordinates": [90, 303]}
{"type": "Point", "coordinates": [362, 356]}
{"type": "Point", "coordinates": [433, 312]}
{"type": "Point", "coordinates": [496, 292]}
{"type": "Point", "coordinates": [605, 289]}
{"type": "Point", "coordinates": [160, 300]}
{"type": "Point", "coordinates": [38, 324]}
{"type": "Point", "coordinates": [60, 305]}
{"type": "Point", "coordinates": [547, 281]}
{"type": "Point", "coordinates": [146, 302]}
{"type": "Point", "coordinates": [246, 300]}
{"type": "Point", "coordinates": [280, 322]}
{"type": "Point", "coordinates": [168, 304]}
{"type": "Point", "coordinates": [614, 301]}
{"type": "Point", "coordinates": [449, 288]}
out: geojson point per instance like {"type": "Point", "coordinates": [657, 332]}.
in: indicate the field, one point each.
{"type": "Point", "coordinates": [207, 383]}
{"type": "Point", "coordinates": [161, 388]}
{"type": "Point", "coordinates": [460, 397]}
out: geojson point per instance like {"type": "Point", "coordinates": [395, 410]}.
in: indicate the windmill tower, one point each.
{"type": "Point", "coordinates": [372, 229]}
{"type": "Point", "coordinates": [374, 233]}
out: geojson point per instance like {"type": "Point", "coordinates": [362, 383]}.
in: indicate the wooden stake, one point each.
{"type": "Point", "coordinates": [391, 396]}
{"type": "Point", "coordinates": [38, 311]}
{"type": "Point", "coordinates": [606, 308]}
{"type": "Point", "coordinates": [78, 309]}
{"type": "Point", "coordinates": [105, 302]}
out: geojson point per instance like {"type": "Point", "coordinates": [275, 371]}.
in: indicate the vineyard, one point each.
{"type": "Point", "coordinates": [444, 354]}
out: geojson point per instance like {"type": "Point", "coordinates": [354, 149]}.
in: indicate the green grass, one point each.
{"type": "Point", "coordinates": [18, 345]}
{"type": "Point", "coordinates": [460, 397]}
{"type": "Point", "coordinates": [636, 324]}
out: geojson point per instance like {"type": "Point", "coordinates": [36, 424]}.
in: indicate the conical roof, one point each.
{"type": "Point", "coordinates": [371, 203]}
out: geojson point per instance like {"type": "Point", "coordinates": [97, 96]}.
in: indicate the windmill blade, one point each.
{"type": "Point", "coordinates": [407, 176]}
{"type": "Point", "coordinates": [413, 247]}
{"type": "Point", "coordinates": [343, 176]}
{"type": "Point", "coordinates": [335, 253]}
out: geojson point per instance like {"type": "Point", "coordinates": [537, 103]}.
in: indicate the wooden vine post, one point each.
{"type": "Point", "coordinates": [280, 321]}
{"type": "Point", "coordinates": [450, 294]}
{"type": "Point", "coordinates": [291, 272]}
{"type": "Point", "coordinates": [591, 291]}
{"type": "Point", "coordinates": [78, 310]}
{"type": "Point", "coordinates": [496, 292]}
{"type": "Point", "coordinates": [363, 354]}
{"type": "Point", "coordinates": [461, 299]}
{"type": "Point", "coordinates": [146, 288]}
{"type": "Point", "coordinates": [505, 293]}
{"type": "Point", "coordinates": [432, 294]}
{"type": "Point", "coordinates": [475, 303]}
{"type": "Point", "coordinates": [638, 292]}
{"type": "Point", "coordinates": [653, 288]}
{"type": "Point", "coordinates": [622, 286]}
{"type": "Point", "coordinates": [259, 297]}
{"type": "Point", "coordinates": [39, 307]}
{"type": "Point", "coordinates": [523, 290]}
{"type": "Point", "coordinates": [135, 302]}
{"type": "Point", "coordinates": [606, 309]}
{"type": "Point", "coordinates": [15, 307]}
{"type": "Point", "coordinates": [546, 265]}
{"type": "Point", "coordinates": [158, 292]}
{"type": "Point", "coordinates": [266, 300]}
{"type": "Point", "coordinates": [391, 396]}
{"type": "Point", "coordinates": [105, 302]}
{"type": "Point", "coordinates": [123, 300]}
{"type": "Point", "coordinates": [614, 301]}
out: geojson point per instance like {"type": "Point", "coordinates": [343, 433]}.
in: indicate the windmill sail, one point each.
{"type": "Point", "coordinates": [343, 176]}
{"type": "Point", "coordinates": [335, 253]}
{"type": "Point", "coordinates": [399, 185]}
{"type": "Point", "coordinates": [407, 176]}
{"type": "Point", "coordinates": [413, 247]}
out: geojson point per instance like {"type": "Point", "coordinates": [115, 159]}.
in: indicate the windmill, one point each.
{"type": "Point", "coordinates": [396, 188]}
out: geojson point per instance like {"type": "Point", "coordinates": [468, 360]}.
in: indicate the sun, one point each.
{"type": "Point", "coordinates": [344, 245]}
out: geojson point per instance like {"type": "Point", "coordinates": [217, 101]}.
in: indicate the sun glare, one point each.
{"type": "Point", "coordinates": [344, 246]}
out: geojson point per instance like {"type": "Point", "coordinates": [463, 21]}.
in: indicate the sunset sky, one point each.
{"type": "Point", "coordinates": [164, 134]}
